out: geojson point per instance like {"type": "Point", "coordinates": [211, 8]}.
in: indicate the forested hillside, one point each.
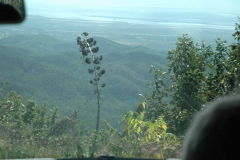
{"type": "Point", "coordinates": [47, 69]}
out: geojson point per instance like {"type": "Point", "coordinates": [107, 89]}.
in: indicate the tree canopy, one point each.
{"type": "Point", "coordinates": [197, 74]}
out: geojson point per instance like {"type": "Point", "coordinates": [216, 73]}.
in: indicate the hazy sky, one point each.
{"type": "Point", "coordinates": [197, 4]}
{"type": "Point", "coordinates": [74, 8]}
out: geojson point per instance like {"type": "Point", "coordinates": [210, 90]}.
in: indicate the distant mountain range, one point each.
{"type": "Point", "coordinates": [44, 68]}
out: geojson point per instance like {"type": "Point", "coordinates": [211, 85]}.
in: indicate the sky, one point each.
{"type": "Point", "coordinates": [194, 4]}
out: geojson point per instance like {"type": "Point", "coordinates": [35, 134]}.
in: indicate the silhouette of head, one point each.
{"type": "Point", "coordinates": [215, 132]}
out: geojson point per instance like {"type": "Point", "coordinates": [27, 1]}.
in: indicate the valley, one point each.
{"type": "Point", "coordinates": [41, 61]}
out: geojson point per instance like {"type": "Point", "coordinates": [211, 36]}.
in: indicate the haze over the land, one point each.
{"type": "Point", "coordinates": [196, 5]}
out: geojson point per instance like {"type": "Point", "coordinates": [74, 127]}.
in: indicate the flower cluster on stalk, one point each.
{"type": "Point", "coordinates": [88, 50]}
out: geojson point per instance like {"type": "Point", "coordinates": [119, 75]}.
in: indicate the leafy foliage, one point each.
{"type": "Point", "coordinates": [32, 131]}
{"type": "Point", "coordinates": [150, 134]}
{"type": "Point", "coordinates": [30, 126]}
{"type": "Point", "coordinates": [187, 66]}
{"type": "Point", "coordinates": [196, 75]}
{"type": "Point", "coordinates": [3, 82]}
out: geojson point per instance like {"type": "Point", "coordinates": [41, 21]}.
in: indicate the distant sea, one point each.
{"type": "Point", "coordinates": [149, 16]}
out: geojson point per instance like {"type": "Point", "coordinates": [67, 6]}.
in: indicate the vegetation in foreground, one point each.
{"type": "Point", "coordinates": [196, 75]}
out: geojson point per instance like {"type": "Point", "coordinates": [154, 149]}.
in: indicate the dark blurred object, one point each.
{"type": "Point", "coordinates": [214, 132]}
{"type": "Point", "coordinates": [11, 11]}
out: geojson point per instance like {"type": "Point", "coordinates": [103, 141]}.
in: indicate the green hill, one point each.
{"type": "Point", "coordinates": [45, 44]}
{"type": "Point", "coordinates": [60, 78]}
{"type": "Point", "coordinates": [39, 43]}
